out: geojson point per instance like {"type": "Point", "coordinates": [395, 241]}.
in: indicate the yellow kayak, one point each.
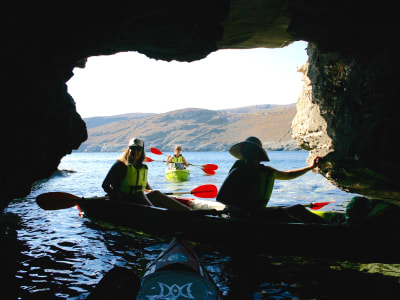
{"type": "Point", "coordinates": [175, 175]}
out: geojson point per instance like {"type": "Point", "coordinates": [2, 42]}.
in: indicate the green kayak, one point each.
{"type": "Point", "coordinates": [174, 175]}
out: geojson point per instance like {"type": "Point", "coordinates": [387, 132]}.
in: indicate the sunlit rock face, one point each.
{"type": "Point", "coordinates": [354, 137]}
{"type": "Point", "coordinates": [352, 72]}
{"type": "Point", "coordinates": [352, 79]}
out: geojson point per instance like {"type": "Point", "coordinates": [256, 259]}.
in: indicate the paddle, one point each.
{"type": "Point", "coordinates": [219, 206]}
{"type": "Point", "coordinates": [317, 205]}
{"type": "Point", "coordinates": [203, 191]}
{"type": "Point", "coordinates": [61, 200]}
{"type": "Point", "coordinates": [207, 168]}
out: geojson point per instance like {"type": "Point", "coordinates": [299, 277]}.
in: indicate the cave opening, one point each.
{"type": "Point", "coordinates": [130, 82]}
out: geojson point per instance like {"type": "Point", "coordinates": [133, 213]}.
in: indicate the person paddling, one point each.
{"type": "Point", "coordinates": [127, 180]}
{"type": "Point", "coordinates": [177, 160]}
{"type": "Point", "coordinates": [249, 184]}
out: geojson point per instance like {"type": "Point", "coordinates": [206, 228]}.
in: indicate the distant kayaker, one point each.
{"type": "Point", "coordinates": [177, 160]}
{"type": "Point", "coordinates": [249, 184]}
{"type": "Point", "coordinates": [127, 180]}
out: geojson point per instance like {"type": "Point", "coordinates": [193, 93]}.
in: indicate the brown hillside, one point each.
{"type": "Point", "coordinates": [198, 130]}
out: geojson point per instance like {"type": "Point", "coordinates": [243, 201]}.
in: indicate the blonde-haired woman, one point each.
{"type": "Point", "coordinates": [177, 160]}
{"type": "Point", "coordinates": [127, 180]}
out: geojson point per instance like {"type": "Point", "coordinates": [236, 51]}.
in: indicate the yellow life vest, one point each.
{"type": "Point", "coordinates": [178, 159]}
{"type": "Point", "coordinates": [135, 180]}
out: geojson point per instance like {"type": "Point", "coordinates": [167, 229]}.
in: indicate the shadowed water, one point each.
{"type": "Point", "coordinates": [63, 256]}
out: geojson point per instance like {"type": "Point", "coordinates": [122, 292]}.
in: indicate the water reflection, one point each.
{"type": "Point", "coordinates": [69, 263]}
{"type": "Point", "coordinates": [59, 255]}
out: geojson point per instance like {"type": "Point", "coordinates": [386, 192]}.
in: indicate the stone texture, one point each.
{"type": "Point", "coordinates": [309, 127]}
{"type": "Point", "coordinates": [351, 95]}
{"type": "Point", "coordinates": [353, 69]}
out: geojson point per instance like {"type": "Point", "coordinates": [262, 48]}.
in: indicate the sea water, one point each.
{"type": "Point", "coordinates": [64, 255]}
{"type": "Point", "coordinates": [82, 174]}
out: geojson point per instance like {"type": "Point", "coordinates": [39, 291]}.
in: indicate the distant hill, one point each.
{"type": "Point", "coordinates": [195, 129]}
{"type": "Point", "coordinates": [253, 108]}
{"type": "Point", "coordinates": [99, 121]}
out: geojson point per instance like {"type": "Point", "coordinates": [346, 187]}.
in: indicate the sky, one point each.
{"type": "Point", "coordinates": [130, 82]}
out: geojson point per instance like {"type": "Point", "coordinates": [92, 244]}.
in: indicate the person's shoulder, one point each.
{"type": "Point", "coordinates": [239, 163]}
{"type": "Point", "coordinates": [145, 166]}
{"type": "Point", "coordinates": [119, 164]}
{"type": "Point", "coordinates": [267, 168]}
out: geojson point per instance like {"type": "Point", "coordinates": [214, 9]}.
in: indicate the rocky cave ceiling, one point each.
{"type": "Point", "coordinates": [347, 109]}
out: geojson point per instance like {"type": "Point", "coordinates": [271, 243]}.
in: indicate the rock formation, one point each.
{"type": "Point", "coordinates": [353, 72]}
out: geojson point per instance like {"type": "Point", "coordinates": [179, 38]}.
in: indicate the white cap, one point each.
{"type": "Point", "coordinates": [136, 142]}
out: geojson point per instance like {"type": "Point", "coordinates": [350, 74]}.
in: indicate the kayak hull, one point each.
{"type": "Point", "coordinates": [362, 243]}
{"type": "Point", "coordinates": [177, 175]}
{"type": "Point", "coordinates": [176, 273]}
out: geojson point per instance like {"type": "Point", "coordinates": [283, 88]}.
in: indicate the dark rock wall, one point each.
{"type": "Point", "coordinates": [41, 44]}
{"type": "Point", "coordinates": [356, 98]}
{"type": "Point", "coordinates": [353, 71]}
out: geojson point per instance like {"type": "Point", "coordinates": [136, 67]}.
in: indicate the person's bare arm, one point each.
{"type": "Point", "coordinates": [287, 175]}
{"type": "Point", "coordinates": [185, 162]}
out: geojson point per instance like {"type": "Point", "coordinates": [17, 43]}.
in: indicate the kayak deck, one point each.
{"type": "Point", "coordinates": [176, 175]}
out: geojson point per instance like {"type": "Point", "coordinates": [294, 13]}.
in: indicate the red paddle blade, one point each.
{"type": "Point", "coordinates": [205, 191]}
{"type": "Point", "coordinates": [155, 151]}
{"type": "Point", "coordinates": [318, 205]}
{"type": "Point", "coordinates": [208, 171]}
{"type": "Point", "coordinates": [56, 200]}
{"type": "Point", "coordinates": [148, 159]}
{"type": "Point", "coordinates": [210, 167]}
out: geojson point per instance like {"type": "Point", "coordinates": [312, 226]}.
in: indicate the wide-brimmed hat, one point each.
{"type": "Point", "coordinates": [136, 142]}
{"type": "Point", "coordinates": [251, 141]}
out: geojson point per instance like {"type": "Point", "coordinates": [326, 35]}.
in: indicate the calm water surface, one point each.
{"type": "Point", "coordinates": [63, 255]}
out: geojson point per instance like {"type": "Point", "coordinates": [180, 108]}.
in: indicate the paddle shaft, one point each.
{"type": "Point", "coordinates": [61, 200]}
{"type": "Point", "coordinates": [210, 167]}
{"type": "Point", "coordinates": [205, 168]}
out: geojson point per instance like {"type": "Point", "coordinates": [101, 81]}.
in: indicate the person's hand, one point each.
{"type": "Point", "coordinates": [169, 158]}
{"type": "Point", "coordinates": [316, 161]}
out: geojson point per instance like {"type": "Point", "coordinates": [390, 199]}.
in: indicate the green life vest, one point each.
{"type": "Point", "coordinates": [135, 180]}
{"type": "Point", "coordinates": [247, 187]}
{"type": "Point", "coordinates": [178, 159]}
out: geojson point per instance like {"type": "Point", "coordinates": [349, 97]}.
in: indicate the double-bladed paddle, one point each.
{"type": "Point", "coordinates": [207, 168]}
{"type": "Point", "coordinates": [61, 200]}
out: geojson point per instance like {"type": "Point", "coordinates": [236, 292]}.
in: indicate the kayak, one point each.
{"type": "Point", "coordinates": [213, 227]}
{"type": "Point", "coordinates": [200, 204]}
{"type": "Point", "coordinates": [176, 273]}
{"type": "Point", "coordinates": [176, 175]}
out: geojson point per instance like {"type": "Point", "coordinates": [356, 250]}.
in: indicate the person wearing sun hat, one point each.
{"type": "Point", "coordinates": [127, 180]}
{"type": "Point", "coordinates": [249, 184]}
{"type": "Point", "coordinates": [251, 145]}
